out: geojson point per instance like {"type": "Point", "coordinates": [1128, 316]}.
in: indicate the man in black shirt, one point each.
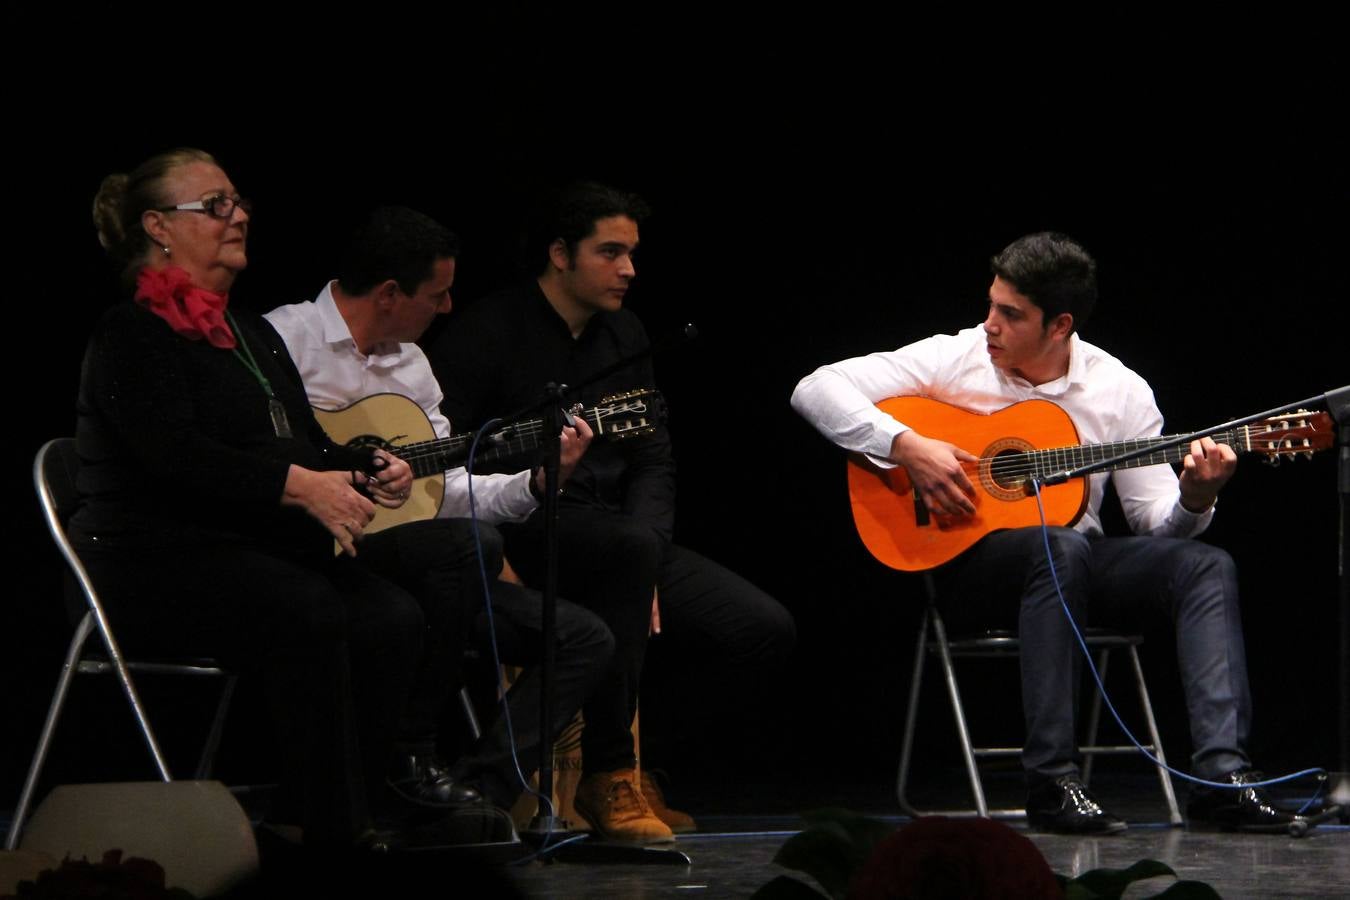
{"type": "Point", "coordinates": [617, 513]}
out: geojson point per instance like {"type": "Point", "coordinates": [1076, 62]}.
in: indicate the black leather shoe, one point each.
{"type": "Point", "coordinates": [1247, 809]}
{"type": "Point", "coordinates": [1064, 806]}
{"type": "Point", "coordinates": [480, 823]}
{"type": "Point", "coordinates": [422, 780]}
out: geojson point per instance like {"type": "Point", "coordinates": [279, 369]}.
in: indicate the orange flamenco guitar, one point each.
{"type": "Point", "coordinates": [1034, 437]}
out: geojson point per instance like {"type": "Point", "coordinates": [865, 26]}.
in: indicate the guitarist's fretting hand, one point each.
{"type": "Point", "coordinates": [1207, 469]}
{"type": "Point", "coordinates": [575, 439]}
{"type": "Point", "coordinates": [935, 469]}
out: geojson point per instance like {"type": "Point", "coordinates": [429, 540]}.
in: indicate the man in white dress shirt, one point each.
{"type": "Point", "coordinates": [356, 340]}
{"type": "Point", "coordinates": [1043, 291]}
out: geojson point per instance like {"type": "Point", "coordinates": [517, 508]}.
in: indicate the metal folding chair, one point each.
{"type": "Point", "coordinates": [932, 639]}
{"type": "Point", "coordinates": [54, 471]}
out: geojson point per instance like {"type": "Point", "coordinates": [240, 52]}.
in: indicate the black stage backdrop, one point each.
{"type": "Point", "coordinates": [799, 220]}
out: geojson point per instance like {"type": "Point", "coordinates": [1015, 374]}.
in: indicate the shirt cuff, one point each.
{"type": "Point", "coordinates": [1192, 523]}
{"type": "Point", "coordinates": [878, 449]}
{"type": "Point", "coordinates": [520, 500]}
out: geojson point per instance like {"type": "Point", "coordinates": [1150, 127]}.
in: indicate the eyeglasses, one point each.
{"type": "Point", "coordinates": [218, 206]}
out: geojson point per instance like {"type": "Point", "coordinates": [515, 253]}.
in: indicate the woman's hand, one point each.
{"type": "Point", "coordinates": [330, 498]}
{"type": "Point", "coordinates": [391, 485]}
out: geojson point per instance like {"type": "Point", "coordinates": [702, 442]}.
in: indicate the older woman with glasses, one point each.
{"type": "Point", "coordinates": [211, 498]}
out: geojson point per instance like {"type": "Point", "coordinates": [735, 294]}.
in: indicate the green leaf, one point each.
{"type": "Point", "coordinates": [1190, 890]}
{"type": "Point", "coordinates": [785, 887]}
{"type": "Point", "coordinates": [865, 831]}
{"type": "Point", "coordinates": [824, 851]}
{"type": "Point", "coordinates": [1111, 883]}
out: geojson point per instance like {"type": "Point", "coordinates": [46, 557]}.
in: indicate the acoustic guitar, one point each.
{"type": "Point", "coordinates": [1033, 437]}
{"type": "Point", "coordinates": [395, 423]}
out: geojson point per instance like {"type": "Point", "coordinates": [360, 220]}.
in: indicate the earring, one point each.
{"type": "Point", "coordinates": [165, 249]}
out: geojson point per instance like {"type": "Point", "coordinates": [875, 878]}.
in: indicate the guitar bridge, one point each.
{"type": "Point", "coordinates": [920, 511]}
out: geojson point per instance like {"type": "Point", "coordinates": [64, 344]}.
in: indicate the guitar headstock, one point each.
{"type": "Point", "coordinates": [1289, 434]}
{"type": "Point", "coordinates": [626, 415]}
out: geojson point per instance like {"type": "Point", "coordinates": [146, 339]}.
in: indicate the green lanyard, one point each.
{"type": "Point", "coordinates": [275, 410]}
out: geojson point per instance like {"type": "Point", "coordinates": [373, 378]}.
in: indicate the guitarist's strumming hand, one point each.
{"type": "Point", "coordinates": [575, 439]}
{"type": "Point", "coordinates": [390, 485]}
{"type": "Point", "coordinates": [1204, 471]}
{"type": "Point", "coordinates": [935, 469]}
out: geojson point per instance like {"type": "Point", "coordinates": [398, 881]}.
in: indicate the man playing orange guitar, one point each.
{"type": "Point", "coordinates": [1043, 291]}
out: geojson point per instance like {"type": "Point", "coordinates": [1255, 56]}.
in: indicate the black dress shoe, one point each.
{"type": "Point", "coordinates": [480, 823]}
{"type": "Point", "coordinates": [424, 781]}
{"type": "Point", "coordinates": [1245, 809]}
{"type": "Point", "coordinates": [1064, 806]}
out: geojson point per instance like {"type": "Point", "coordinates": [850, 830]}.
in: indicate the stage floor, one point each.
{"type": "Point", "coordinates": [734, 863]}
{"type": "Point", "coordinates": [733, 854]}
{"type": "Point", "coordinates": [743, 826]}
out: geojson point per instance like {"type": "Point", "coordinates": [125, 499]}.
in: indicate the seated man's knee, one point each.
{"type": "Point", "coordinates": [1071, 550]}
{"type": "Point", "coordinates": [1197, 563]}
{"type": "Point", "coordinates": [780, 633]}
{"type": "Point", "coordinates": [490, 539]}
{"type": "Point", "coordinates": [638, 547]}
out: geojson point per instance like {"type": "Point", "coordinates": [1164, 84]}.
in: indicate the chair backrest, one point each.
{"type": "Point", "coordinates": [54, 471]}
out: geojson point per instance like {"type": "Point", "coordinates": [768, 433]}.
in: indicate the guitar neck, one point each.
{"type": "Point", "coordinates": [622, 416]}
{"type": "Point", "coordinates": [435, 456]}
{"type": "Point", "coordinates": [1243, 439]}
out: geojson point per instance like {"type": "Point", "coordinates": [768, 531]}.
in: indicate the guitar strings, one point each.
{"type": "Point", "coordinates": [1044, 461]}
{"type": "Point", "coordinates": [520, 434]}
{"type": "Point", "coordinates": [1050, 459]}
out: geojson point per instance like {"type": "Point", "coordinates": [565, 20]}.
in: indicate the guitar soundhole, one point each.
{"type": "Point", "coordinates": [1002, 474]}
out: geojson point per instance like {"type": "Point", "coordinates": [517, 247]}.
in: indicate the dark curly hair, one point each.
{"type": "Point", "coordinates": [1053, 271]}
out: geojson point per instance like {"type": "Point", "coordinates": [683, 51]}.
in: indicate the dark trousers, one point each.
{"type": "Point", "coordinates": [434, 561]}
{"type": "Point", "coordinates": [1117, 583]}
{"type": "Point", "coordinates": [437, 562]}
{"type": "Point", "coordinates": [582, 653]}
{"type": "Point", "coordinates": [611, 564]}
{"type": "Point", "coordinates": [333, 643]}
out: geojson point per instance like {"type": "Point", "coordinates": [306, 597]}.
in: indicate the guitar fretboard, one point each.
{"type": "Point", "coordinates": [1007, 467]}
{"type": "Point", "coordinates": [432, 457]}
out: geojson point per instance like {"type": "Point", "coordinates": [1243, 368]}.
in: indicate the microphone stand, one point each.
{"type": "Point", "coordinates": [554, 398]}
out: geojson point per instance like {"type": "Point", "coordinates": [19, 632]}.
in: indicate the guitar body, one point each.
{"type": "Point", "coordinates": [362, 425]}
{"type": "Point", "coordinates": [901, 534]}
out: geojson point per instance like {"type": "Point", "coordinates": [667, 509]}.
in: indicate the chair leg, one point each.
{"type": "Point", "coordinates": [82, 633]}
{"type": "Point", "coordinates": [128, 688]}
{"type": "Point", "coordinates": [1095, 714]}
{"type": "Point", "coordinates": [207, 763]}
{"type": "Point", "coordinates": [1164, 777]}
{"type": "Point", "coordinates": [911, 721]}
{"type": "Point", "coordinates": [959, 713]}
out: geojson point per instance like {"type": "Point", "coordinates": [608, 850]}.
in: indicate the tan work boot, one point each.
{"type": "Point", "coordinates": [677, 821]}
{"type": "Point", "coordinates": [616, 809]}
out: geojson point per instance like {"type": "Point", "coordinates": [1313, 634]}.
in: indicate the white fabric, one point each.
{"type": "Point", "coordinates": [336, 374]}
{"type": "Point", "coordinates": [1106, 400]}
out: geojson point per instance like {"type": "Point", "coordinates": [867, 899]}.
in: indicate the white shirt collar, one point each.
{"type": "Point", "coordinates": [1059, 386]}
{"type": "Point", "coordinates": [335, 331]}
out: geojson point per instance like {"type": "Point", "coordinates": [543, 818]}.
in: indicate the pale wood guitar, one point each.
{"type": "Point", "coordinates": [397, 424]}
{"type": "Point", "coordinates": [1034, 437]}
